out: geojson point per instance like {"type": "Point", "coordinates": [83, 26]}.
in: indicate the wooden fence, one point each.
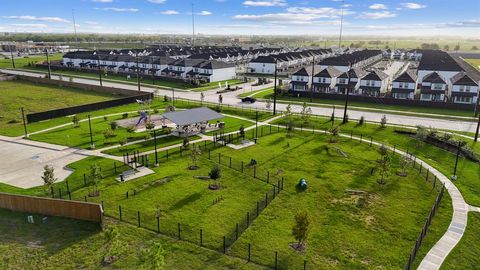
{"type": "Point", "coordinates": [52, 207]}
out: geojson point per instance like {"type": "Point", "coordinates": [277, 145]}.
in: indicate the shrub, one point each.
{"type": "Point", "coordinates": [70, 79]}
{"type": "Point", "coordinates": [76, 120]}
{"type": "Point", "coordinates": [335, 131]}
{"type": "Point", "coordinates": [109, 134]}
{"type": "Point", "coordinates": [147, 136]}
{"type": "Point", "coordinates": [301, 227]}
{"type": "Point", "coordinates": [105, 118]}
{"type": "Point", "coordinates": [113, 125]}
{"type": "Point", "coordinates": [125, 116]}
{"type": "Point", "coordinates": [215, 173]}
{"type": "Point", "coordinates": [361, 122]}
{"type": "Point", "coordinates": [155, 110]}
{"type": "Point", "coordinates": [218, 108]}
{"type": "Point", "coordinates": [165, 98]}
{"type": "Point", "coordinates": [131, 129]}
{"type": "Point", "coordinates": [150, 125]}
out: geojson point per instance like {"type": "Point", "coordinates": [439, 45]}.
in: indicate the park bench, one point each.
{"type": "Point", "coordinates": [124, 175]}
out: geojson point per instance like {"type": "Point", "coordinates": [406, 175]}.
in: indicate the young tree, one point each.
{"type": "Point", "coordinates": [306, 113]}
{"type": "Point", "coordinates": [421, 136]}
{"type": "Point", "coordinates": [404, 162]}
{"type": "Point", "coordinates": [48, 177]}
{"type": "Point", "coordinates": [383, 122]}
{"type": "Point", "coordinates": [195, 153]}
{"type": "Point", "coordinates": [334, 132]}
{"type": "Point", "coordinates": [185, 143]}
{"type": "Point", "coordinates": [268, 104]}
{"type": "Point", "coordinates": [241, 132]}
{"type": "Point", "coordinates": [202, 97]}
{"type": "Point", "coordinates": [290, 128]}
{"type": "Point", "coordinates": [215, 173]}
{"type": "Point", "coordinates": [220, 99]}
{"type": "Point", "coordinates": [96, 176]}
{"type": "Point", "coordinates": [383, 163]}
{"type": "Point", "coordinates": [76, 121]}
{"type": "Point", "coordinates": [113, 125]}
{"type": "Point", "coordinates": [361, 122]}
{"type": "Point", "coordinates": [153, 258]}
{"type": "Point", "coordinates": [301, 228]}
{"type": "Point", "coordinates": [149, 124]}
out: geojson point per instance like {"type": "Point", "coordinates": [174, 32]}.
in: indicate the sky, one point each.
{"type": "Point", "coordinates": [246, 17]}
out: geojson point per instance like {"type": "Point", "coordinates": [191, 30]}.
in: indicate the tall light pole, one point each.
{"type": "Point", "coordinates": [48, 64]}
{"type": "Point", "coordinates": [341, 27]}
{"type": "Point", "coordinates": [99, 69]}
{"type": "Point", "coordinates": [345, 120]}
{"type": "Point", "coordinates": [193, 28]}
{"type": "Point", "coordinates": [275, 90]}
{"type": "Point", "coordinates": [311, 87]}
{"type": "Point", "coordinates": [11, 54]}
{"type": "Point", "coordinates": [92, 146]}
{"type": "Point", "coordinates": [478, 128]}
{"type": "Point", "coordinates": [138, 73]}
{"type": "Point", "coordinates": [454, 176]}
{"type": "Point", "coordinates": [74, 25]}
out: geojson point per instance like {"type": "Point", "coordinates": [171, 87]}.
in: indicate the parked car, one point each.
{"type": "Point", "coordinates": [248, 100]}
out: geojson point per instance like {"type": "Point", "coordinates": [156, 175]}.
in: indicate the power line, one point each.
{"type": "Point", "coordinates": [74, 25]}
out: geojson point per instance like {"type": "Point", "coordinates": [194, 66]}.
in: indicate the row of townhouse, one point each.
{"type": "Point", "coordinates": [282, 62]}
{"type": "Point", "coordinates": [182, 68]}
{"type": "Point", "coordinates": [460, 88]}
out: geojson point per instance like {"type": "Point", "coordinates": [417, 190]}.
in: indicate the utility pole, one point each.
{"type": "Point", "coordinates": [173, 96]}
{"type": "Point", "coordinates": [48, 63]}
{"type": "Point", "coordinates": [347, 94]}
{"type": "Point", "coordinates": [153, 69]}
{"type": "Point", "coordinates": [313, 72]}
{"type": "Point", "coordinates": [138, 73]}
{"type": "Point", "coordinates": [275, 90]}
{"type": "Point", "coordinates": [74, 26]}
{"type": "Point", "coordinates": [99, 69]}
{"type": "Point", "coordinates": [155, 143]}
{"type": "Point", "coordinates": [454, 176]}
{"type": "Point", "coordinates": [341, 27]}
{"type": "Point", "coordinates": [256, 124]}
{"type": "Point", "coordinates": [11, 54]}
{"type": "Point", "coordinates": [478, 128]}
{"type": "Point", "coordinates": [24, 123]}
{"type": "Point", "coordinates": [193, 27]}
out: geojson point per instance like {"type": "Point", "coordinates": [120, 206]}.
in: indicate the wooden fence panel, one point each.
{"type": "Point", "coordinates": [52, 207]}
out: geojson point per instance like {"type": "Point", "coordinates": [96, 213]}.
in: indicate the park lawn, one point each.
{"type": "Point", "coordinates": [365, 105]}
{"type": "Point", "coordinates": [232, 124]}
{"type": "Point", "coordinates": [256, 93]}
{"type": "Point", "coordinates": [25, 61]}
{"type": "Point", "coordinates": [64, 243]}
{"type": "Point", "coordinates": [465, 254]}
{"type": "Point", "coordinates": [343, 234]}
{"type": "Point", "coordinates": [34, 97]}
{"type": "Point", "coordinates": [467, 171]}
{"type": "Point", "coordinates": [184, 199]}
{"type": "Point", "coordinates": [148, 145]}
{"type": "Point", "coordinates": [474, 62]}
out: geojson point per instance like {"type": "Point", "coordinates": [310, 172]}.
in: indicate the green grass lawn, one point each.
{"type": "Point", "coordinates": [330, 102]}
{"type": "Point", "coordinates": [467, 171]}
{"type": "Point", "coordinates": [214, 85]}
{"type": "Point", "coordinates": [344, 234]}
{"type": "Point", "coordinates": [465, 254]}
{"type": "Point", "coordinates": [37, 98]}
{"type": "Point", "coordinates": [24, 62]}
{"type": "Point", "coordinates": [70, 244]}
{"type": "Point", "coordinates": [256, 93]}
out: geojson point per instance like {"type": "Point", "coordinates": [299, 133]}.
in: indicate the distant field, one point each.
{"type": "Point", "coordinates": [37, 98]}
{"type": "Point", "coordinates": [474, 62]}
{"type": "Point", "coordinates": [23, 62]}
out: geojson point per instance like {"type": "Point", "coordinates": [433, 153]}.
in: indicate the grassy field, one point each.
{"type": "Point", "coordinates": [467, 170]}
{"type": "Point", "coordinates": [329, 102]}
{"type": "Point", "coordinates": [24, 62]}
{"type": "Point", "coordinates": [37, 98]}
{"type": "Point", "coordinates": [465, 254]}
{"type": "Point", "coordinates": [69, 244]}
{"type": "Point", "coordinates": [474, 62]}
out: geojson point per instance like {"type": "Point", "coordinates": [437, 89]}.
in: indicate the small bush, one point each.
{"type": "Point", "coordinates": [155, 110]}
{"type": "Point", "coordinates": [361, 122]}
{"type": "Point", "coordinates": [383, 122]}
{"type": "Point", "coordinates": [113, 125]}
{"type": "Point", "coordinates": [215, 173]}
{"type": "Point", "coordinates": [125, 115]}
{"type": "Point", "coordinates": [218, 108]}
{"type": "Point", "coordinates": [76, 120]}
{"type": "Point", "coordinates": [165, 98]}
{"type": "Point", "coordinates": [131, 129]}
{"type": "Point", "coordinates": [105, 118]}
{"type": "Point", "coordinates": [147, 136]}
{"type": "Point", "coordinates": [109, 134]}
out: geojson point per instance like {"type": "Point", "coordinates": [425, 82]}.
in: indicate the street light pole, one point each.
{"type": "Point", "coordinates": [48, 63]}
{"type": "Point", "coordinates": [275, 90]}
{"type": "Point", "coordinates": [311, 87]}
{"type": "Point", "coordinates": [155, 143]}
{"type": "Point", "coordinates": [138, 74]}
{"type": "Point", "coordinates": [92, 146]}
{"type": "Point", "coordinates": [11, 54]}
{"type": "Point", "coordinates": [345, 120]}
{"type": "Point", "coordinates": [24, 123]}
{"type": "Point", "coordinates": [173, 96]}
{"type": "Point", "coordinates": [256, 124]}
{"type": "Point", "coordinates": [454, 176]}
{"type": "Point", "coordinates": [478, 128]}
{"type": "Point", "coordinates": [99, 69]}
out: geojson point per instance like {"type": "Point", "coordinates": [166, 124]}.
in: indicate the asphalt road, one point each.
{"type": "Point", "coordinates": [231, 99]}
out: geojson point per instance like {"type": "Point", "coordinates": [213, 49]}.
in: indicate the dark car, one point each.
{"type": "Point", "coordinates": [248, 99]}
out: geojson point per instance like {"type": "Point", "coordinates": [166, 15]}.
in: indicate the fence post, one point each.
{"type": "Point", "coordinates": [304, 264]}
{"type": "Point", "coordinates": [69, 196]}
{"type": "Point", "coordinates": [158, 224]}
{"type": "Point", "coordinates": [201, 237]}
{"type": "Point", "coordinates": [138, 217]}
{"type": "Point", "coordinates": [242, 166]}
{"type": "Point", "coordinates": [254, 171]}
{"type": "Point", "coordinates": [268, 176]}
{"type": "Point", "coordinates": [84, 180]}
{"type": "Point", "coordinates": [428, 171]}
{"type": "Point", "coordinates": [248, 219]}
{"type": "Point", "coordinates": [276, 260]}
{"type": "Point", "coordinates": [266, 199]}
{"type": "Point", "coordinates": [258, 208]}
{"type": "Point", "coordinates": [371, 140]}
{"type": "Point", "coordinates": [236, 231]}
{"type": "Point", "coordinates": [178, 228]}
{"type": "Point", "coordinates": [68, 188]}
{"type": "Point", "coordinates": [120, 212]}
{"type": "Point", "coordinates": [230, 162]}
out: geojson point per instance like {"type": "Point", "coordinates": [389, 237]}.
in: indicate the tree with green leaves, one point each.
{"type": "Point", "coordinates": [241, 132]}
{"type": "Point", "coordinates": [202, 97]}
{"type": "Point", "coordinates": [404, 162]}
{"type": "Point", "coordinates": [383, 163]}
{"type": "Point", "coordinates": [383, 122]}
{"type": "Point", "coordinates": [334, 132]}
{"type": "Point", "coordinates": [195, 153]}
{"type": "Point", "coordinates": [76, 121]}
{"type": "Point", "coordinates": [153, 257]}
{"type": "Point", "coordinates": [48, 178]}
{"type": "Point", "coordinates": [96, 176]}
{"type": "Point", "coordinates": [421, 136]}
{"type": "Point", "coordinates": [301, 228]}
{"type": "Point", "coordinates": [306, 113]}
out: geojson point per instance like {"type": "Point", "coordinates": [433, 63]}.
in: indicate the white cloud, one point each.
{"type": "Point", "coordinates": [378, 6]}
{"type": "Point", "coordinates": [377, 15]}
{"type": "Point", "coordinates": [102, 1]}
{"type": "Point", "coordinates": [29, 25]}
{"type": "Point", "coordinates": [118, 9]}
{"type": "Point", "coordinates": [412, 6]}
{"type": "Point", "coordinates": [265, 3]}
{"type": "Point", "coordinates": [204, 13]}
{"type": "Point", "coordinates": [169, 12]}
{"type": "Point", "coordinates": [35, 18]}
{"type": "Point", "coordinates": [157, 1]}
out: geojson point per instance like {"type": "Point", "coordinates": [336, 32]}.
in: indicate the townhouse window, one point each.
{"type": "Point", "coordinates": [467, 88]}
{"type": "Point", "coordinates": [342, 81]}
{"type": "Point", "coordinates": [324, 80]}
{"type": "Point", "coordinates": [461, 88]}
{"type": "Point", "coordinates": [437, 86]}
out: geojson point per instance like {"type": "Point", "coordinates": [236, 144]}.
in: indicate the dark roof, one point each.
{"type": "Point", "coordinates": [350, 58]}
{"type": "Point", "coordinates": [438, 60]}
{"type": "Point", "coordinates": [264, 59]}
{"type": "Point", "coordinates": [407, 76]}
{"type": "Point", "coordinates": [463, 79]}
{"type": "Point", "coordinates": [192, 116]}
{"type": "Point", "coordinates": [301, 72]}
{"type": "Point", "coordinates": [375, 75]}
{"type": "Point", "coordinates": [433, 77]}
{"type": "Point", "coordinates": [329, 72]}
